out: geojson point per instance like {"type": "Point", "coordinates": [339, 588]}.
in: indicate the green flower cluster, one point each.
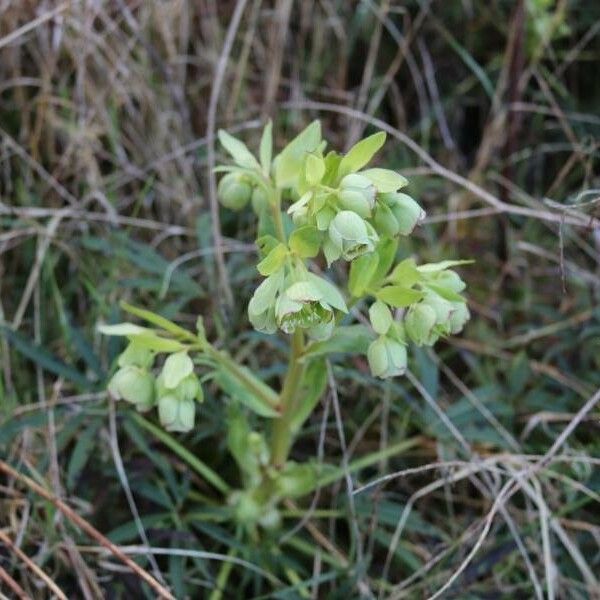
{"type": "Point", "coordinates": [175, 390]}
{"type": "Point", "coordinates": [344, 211]}
{"type": "Point", "coordinates": [435, 309]}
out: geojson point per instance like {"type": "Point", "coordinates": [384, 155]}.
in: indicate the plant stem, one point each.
{"type": "Point", "coordinates": [281, 438]}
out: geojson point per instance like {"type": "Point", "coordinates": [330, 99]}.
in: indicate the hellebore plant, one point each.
{"type": "Point", "coordinates": [310, 205]}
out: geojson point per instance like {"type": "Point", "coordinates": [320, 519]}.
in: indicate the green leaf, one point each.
{"type": "Point", "coordinates": [306, 241]}
{"type": "Point", "coordinates": [441, 266]}
{"type": "Point", "coordinates": [311, 389]}
{"type": "Point", "coordinates": [238, 432]}
{"type": "Point", "coordinates": [289, 162]}
{"type": "Point", "coordinates": [314, 169]}
{"type": "Point", "coordinates": [331, 294]}
{"type": "Point", "coordinates": [351, 339]}
{"type": "Point", "coordinates": [360, 154]}
{"type": "Point", "coordinates": [266, 243]}
{"type": "Point", "coordinates": [177, 367]}
{"type": "Point", "coordinates": [266, 147]}
{"type": "Point", "coordinates": [273, 261]}
{"type": "Point", "coordinates": [405, 273]}
{"type": "Point", "coordinates": [386, 249]}
{"type": "Point", "coordinates": [43, 358]}
{"type": "Point", "coordinates": [81, 453]}
{"type": "Point", "coordinates": [362, 270]}
{"type": "Point", "coordinates": [385, 180]}
{"type": "Point", "coordinates": [204, 470]}
{"type": "Point", "coordinates": [446, 293]}
{"type": "Point", "coordinates": [399, 296]}
{"type": "Point", "coordinates": [238, 150]}
{"type": "Point", "coordinates": [154, 342]}
{"type": "Point", "coordinates": [155, 319]}
{"type": "Point", "coordinates": [123, 329]}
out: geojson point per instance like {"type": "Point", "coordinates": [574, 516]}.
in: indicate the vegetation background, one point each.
{"type": "Point", "coordinates": [491, 485]}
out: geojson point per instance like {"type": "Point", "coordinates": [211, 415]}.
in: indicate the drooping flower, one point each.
{"type": "Point", "coordinates": [350, 236]}
{"type": "Point", "coordinates": [135, 385]}
{"type": "Point", "coordinates": [177, 389]}
{"type": "Point", "coordinates": [420, 324]}
{"type": "Point", "coordinates": [397, 214]}
{"type": "Point", "coordinates": [387, 357]}
{"type": "Point", "coordinates": [307, 304]}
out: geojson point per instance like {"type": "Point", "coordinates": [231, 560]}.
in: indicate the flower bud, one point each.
{"type": "Point", "coordinates": [349, 236]}
{"type": "Point", "coordinates": [406, 211]}
{"type": "Point", "coordinates": [357, 194]}
{"type": "Point", "coordinates": [234, 193]}
{"type": "Point", "coordinates": [176, 414]}
{"type": "Point", "coordinates": [260, 200]}
{"type": "Point", "coordinates": [387, 357]}
{"type": "Point", "coordinates": [135, 385]}
{"type": "Point", "coordinates": [419, 324]}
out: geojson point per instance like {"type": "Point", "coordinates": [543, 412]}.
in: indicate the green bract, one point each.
{"type": "Point", "coordinates": [176, 414]}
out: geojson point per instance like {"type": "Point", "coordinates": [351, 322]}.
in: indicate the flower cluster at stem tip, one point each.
{"type": "Point", "coordinates": [340, 210]}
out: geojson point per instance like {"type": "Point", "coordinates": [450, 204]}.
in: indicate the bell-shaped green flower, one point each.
{"type": "Point", "coordinates": [357, 194]}
{"type": "Point", "coordinates": [261, 309]}
{"type": "Point", "coordinates": [135, 385]}
{"type": "Point", "coordinates": [443, 308]}
{"type": "Point", "coordinates": [459, 316]}
{"type": "Point", "coordinates": [234, 191]}
{"type": "Point", "coordinates": [350, 236]}
{"type": "Point", "coordinates": [387, 357]}
{"type": "Point", "coordinates": [177, 387]}
{"type": "Point", "coordinates": [397, 213]}
{"type": "Point", "coordinates": [302, 306]}
{"type": "Point", "coordinates": [176, 414]}
{"type": "Point", "coordinates": [420, 322]}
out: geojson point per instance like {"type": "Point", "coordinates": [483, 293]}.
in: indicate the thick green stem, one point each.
{"type": "Point", "coordinates": [281, 438]}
